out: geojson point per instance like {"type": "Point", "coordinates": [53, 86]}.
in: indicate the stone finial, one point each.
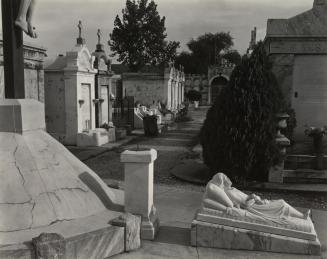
{"type": "Point", "coordinates": [79, 26]}
{"type": "Point", "coordinates": [80, 40]}
{"type": "Point", "coordinates": [99, 34]}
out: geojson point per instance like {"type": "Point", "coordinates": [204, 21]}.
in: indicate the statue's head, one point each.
{"type": "Point", "coordinates": [221, 180]}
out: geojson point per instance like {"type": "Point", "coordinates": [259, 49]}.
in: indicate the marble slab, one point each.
{"type": "Point", "coordinates": [132, 225]}
{"type": "Point", "coordinates": [91, 237]}
{"type": "Point", "coordinates": [218, 236]}
{"type": "Point", "coordinates": [211, 216]}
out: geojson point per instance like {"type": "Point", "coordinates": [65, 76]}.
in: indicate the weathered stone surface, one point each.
{"type": "Point", "coordinates": [90, 237]}
{"type": "Point", "coordinates": [92, 138]}
{"type": "Point", "coordinates": [21, 115]}
{"type": "Point", "coordinates": [304, 228]}
{"type": "Point", "coordinates": [219, 236]}
{"type": "Point", "coordinates": [139, 197]}
{"type": "Point", "coordinates": [101, 243]}
{"type": "Point", "coordinates": [297, 47]}
{"type": "Point", "coordinates": [49, 245]}
{"type": "Point", "coordinates": [41, 181]}
{"type": "Point", "coordinates": [132, 225]}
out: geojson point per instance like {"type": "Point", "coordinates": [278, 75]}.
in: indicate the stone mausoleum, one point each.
{"type": "Point", "coordinates": [104, 96]}
{"type": "Point", "coordinates": [33, 71]}
{"type": "Point", "coordinates": [298, 49]}
{"type": "Point", "coordinates": [165, 85]}
{"type": "Point", "coordinates": [70, 94]}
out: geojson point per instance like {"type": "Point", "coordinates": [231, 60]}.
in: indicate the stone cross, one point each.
{"type": "Point", "coordinates": [79, 26]}
{"type": "Point", "coordinates": [99, 36]}
{"type": "Point", "coordinates": [13, 50]}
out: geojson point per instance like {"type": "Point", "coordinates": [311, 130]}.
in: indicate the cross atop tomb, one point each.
{"type": "Point", "coordinates": [99, 36]}
{"type": "Point", "coordinates": [80, 40]}
{"type": "Point", "coordinates": [99, 46]}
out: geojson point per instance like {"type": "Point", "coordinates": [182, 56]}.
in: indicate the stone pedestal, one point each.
{"type": "Point", "coordinates": [139, 189]}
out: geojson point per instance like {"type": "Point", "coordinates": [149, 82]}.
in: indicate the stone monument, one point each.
{"type": "Point", "coordinates": [297, 48]}
{"type": "Point", "coordinates": [103, 89]}
{"type": "Point", "coordinates": [232, 219]}
{"type": "Point", "coordinates": [138, 168]}
{"type": "Point", "coordinates": [52, 205]}
{"type": "Point", "coordinates": [73, 100]}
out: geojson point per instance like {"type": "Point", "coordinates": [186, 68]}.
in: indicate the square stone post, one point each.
{"type": "Point", "coordinates": [138, 167]}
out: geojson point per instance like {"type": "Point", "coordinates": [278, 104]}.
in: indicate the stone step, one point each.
{"type": "Point", "coordinates": [305, 176]}
{"type": "Point", "coordinates": [302, 161]}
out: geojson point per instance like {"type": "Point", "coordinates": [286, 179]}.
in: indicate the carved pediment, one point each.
{"type": "Point", "coordinates": [80, 59]}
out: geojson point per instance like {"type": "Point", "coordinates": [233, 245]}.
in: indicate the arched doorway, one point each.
{"type": "Point", "coordinates": [216, 85]}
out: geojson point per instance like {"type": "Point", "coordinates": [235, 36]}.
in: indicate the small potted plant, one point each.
{"type": "Point", "coordinates": [317, 135]}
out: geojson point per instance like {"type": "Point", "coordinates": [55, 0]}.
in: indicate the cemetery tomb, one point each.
{"type": "Point", "coordinates": [231, 219]}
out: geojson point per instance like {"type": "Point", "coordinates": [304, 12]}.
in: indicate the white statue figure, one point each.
{"type": "Point", "coordinates": [25, 15]}
{"type": "Point", "coordinates": [221, 196]}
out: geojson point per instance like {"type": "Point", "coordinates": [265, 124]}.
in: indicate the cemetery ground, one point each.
{"type": "Point", "coordinates": [176, 201]}
{"type": "Point", "coordinates": [175, 151]}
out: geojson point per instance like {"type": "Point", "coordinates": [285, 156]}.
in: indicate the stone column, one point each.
{"type": "Point", "coordinates": [138, 167]}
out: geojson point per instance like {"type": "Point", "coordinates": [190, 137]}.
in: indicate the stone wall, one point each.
{"type": "Point", "coordinates": [283, 70]}
{"type": "Point", "coordinates": [55, 107]}
{"type": "Point", "coordinates": [145, 88]}
{"type": "Point", "coordinates": [148, 88]}
{"type": "Point", "coordinates": [199, 83]}
{"type": "Point", "coordinates": [33, 71]}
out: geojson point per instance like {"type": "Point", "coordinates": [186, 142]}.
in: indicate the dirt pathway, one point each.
{"type": "Point", "coordinates": [173, 146]}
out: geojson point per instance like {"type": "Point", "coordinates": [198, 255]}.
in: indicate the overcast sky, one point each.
{"type": "Point", "coordinates": [56, 20]}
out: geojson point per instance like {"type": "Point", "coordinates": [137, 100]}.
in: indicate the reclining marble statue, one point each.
{"type": "Point", "coordinates": [229, 218]}
{"type": "Point", "coordinates": [225, 205]}
{"type": "Point", "coordinates": [220, 195]}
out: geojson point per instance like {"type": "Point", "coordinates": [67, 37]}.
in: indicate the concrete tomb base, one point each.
{"type": "Point", "coordinates": [150, 226]}
{"type": "Point", "coordinates": [94, 138]}
{"type": "Point", "coordinates": [46, 189]}
{"type": "Point", "coordinates": [91, 237]}
{"type": "Point", "coordinates": [210, 230]}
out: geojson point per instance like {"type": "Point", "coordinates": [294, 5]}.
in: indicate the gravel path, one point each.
{"type": "Point", "coordinates": [173, 147]}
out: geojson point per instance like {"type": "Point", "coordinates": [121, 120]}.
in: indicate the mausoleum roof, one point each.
{"type": "Point", "coordinates": [59, 63]}
{"type": "Point", "coordinates": [309, 23]}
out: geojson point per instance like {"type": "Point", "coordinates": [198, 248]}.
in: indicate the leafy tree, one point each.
{"type": "Point", "coordinates": [233, 57]}
{"type": "Point", "coordinates": [204, 51]}
{"type": "Point", "coordinates": [238, 135]}
{"type": "Point", "coordinates": [138, 38]}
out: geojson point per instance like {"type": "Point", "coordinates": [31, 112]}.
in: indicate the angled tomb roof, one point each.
{"type": "Point", "coordinates": [306, 24]}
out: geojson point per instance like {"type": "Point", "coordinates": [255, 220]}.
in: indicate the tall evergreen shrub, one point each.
{"type": "Point", "coordinates": [238, 135]}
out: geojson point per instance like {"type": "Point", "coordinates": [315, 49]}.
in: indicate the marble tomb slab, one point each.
{"type": "Point", "coordinates": [247, 236]}
{"type": "Point", "coordinates": [306, 231]}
